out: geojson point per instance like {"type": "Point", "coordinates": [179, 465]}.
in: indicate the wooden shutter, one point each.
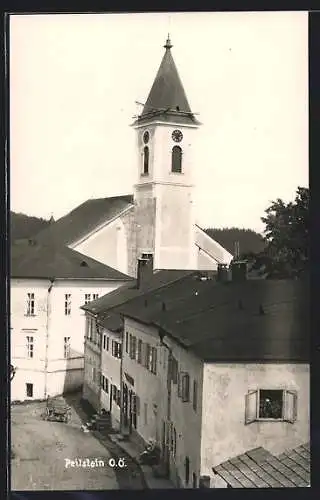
{"type": "Point", "coordinates": [251, 406]}
{"type": "Point", "coordinates": [185, 387]}
{"type": "Point", "coordinates": [290, 406]}
{"type": "Point", "coordinates": [138, 405]}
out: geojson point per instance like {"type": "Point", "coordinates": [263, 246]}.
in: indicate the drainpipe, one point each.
{"type": "Point", "coordinates": [121, 375]}
{"type": "Point", "coordinates": [169, 390]}
{"type": "Point", "coordinates": [100, 336]}
{"type": "Point", "coordinates": [47, 339]}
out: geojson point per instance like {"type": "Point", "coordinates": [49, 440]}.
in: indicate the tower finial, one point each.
{"type": "Point", "coordinates": [168, 44]}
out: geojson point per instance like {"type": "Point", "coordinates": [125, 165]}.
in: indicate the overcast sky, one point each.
{"type": "Point", "coordinates": [74, 80]}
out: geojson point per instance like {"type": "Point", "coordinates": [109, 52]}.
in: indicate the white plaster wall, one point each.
{"type": "Point", "coordinates": [29, 370]}
{"type": "Point", "coordinates": [224, 433]}
{"type": "Point", "coordinates": [48, 370]}
{"type": "Point", "coordinates": [205, 262]}
{"type": "Point", "coordinates": [146, 385]}
{"type": "Point", "coordinates": [107, 245]}
{"type": "Point", "coordinates": [212, 247]}
{"type": "Point", "coordinates": [110, 368]}
{"type": "Point", "coordinates": [186, 420]}
{"type": "Point", "coordinates": [91, 386]}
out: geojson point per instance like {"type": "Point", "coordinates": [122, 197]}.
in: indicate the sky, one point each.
{"type": "Point", "coordinates": [74, 80]}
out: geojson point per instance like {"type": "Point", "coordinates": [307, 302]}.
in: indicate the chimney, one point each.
{"type": "Point", "coordinates": [223, 273]}
{"type": "Point", "coordinates": [144, 272]}
{"type": "Point", "coordinates": [239, 271]}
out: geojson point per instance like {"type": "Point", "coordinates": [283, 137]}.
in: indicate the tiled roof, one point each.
{"type": "Point", "coordinates": [249, 321]}
{"type": "Point", "coordinates": [52, 261]}
{"type": "Point", "coordinates": [167, 97]}
{"type": "Point", "coordinates": [83, 219]}
{"type": "Point", "coordinates": [260, 469]}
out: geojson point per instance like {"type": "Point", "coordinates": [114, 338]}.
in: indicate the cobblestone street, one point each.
{"type": "Point", "coordinates": [41, 449]}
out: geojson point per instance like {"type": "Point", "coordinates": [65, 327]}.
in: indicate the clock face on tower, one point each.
{"type": "Point", "coordinates": [177, 136]}
{"type": "Point", "coordinates": [146, 137]}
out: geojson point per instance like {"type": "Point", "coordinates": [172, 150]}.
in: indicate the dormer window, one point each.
{"type": "Point", "coordinates": [145, 160]}
{"type": "Point", "coordinates": [176, 160]}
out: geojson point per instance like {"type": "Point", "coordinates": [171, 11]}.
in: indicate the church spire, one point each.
{"type": "Point", "coordinates": [167, 99]}
{"type": "Point", "coordinates": [168, 44]}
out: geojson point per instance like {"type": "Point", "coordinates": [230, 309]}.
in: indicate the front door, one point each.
{"type": "Point", "coordinates": [165, 448]}
{"type": "Point", "coordinates": [130, 411]}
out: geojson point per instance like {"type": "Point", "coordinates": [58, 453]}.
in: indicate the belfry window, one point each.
{"type": "Point", "coordinates": [176, 160]}
{"type": "Point", "coordinates": [146, 160]}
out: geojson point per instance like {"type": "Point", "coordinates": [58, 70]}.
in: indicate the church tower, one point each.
{"type": "Point", "coordinates": [163, 194]}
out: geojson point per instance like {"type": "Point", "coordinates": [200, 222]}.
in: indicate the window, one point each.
{"type": "Point", "coordinates": [145, 160]}
{"type": "Point", "coordinates": [66, 347]}
{"type": "Point", "coordinates": [87, 298]}
{"type": "Point", "coordinates": [104, 341]}
{"type": "Point", "coordinates": [114, 393]}
{"type": "Point", "coordinates": [29, 390]}
{"type": "Point", "coordinates": [174, 442]}
{"type": "Point", "coordinates": [30, 347]}
{"type": "Point", "coordinates": [133, 347]}
{"type": "Point", "coordinates": [174, 370]}
{"type": "Point", "coordinates": [184, 387]}
{"type": "Point", "coordinates": [176, 159]}
{"type": "Point", "coordinates": [67, 304]}
{"type": "Point", "coordinates": [116, 349]}
{"type": "Point", "coordinates": [279, 405]}
{"type": "Point", "coordinates": [95, 296]}
{"type": "Point", "coordinates": [30, 304]}
{"type": "Point", "coordinates": [118, 399]}
{"type": "Point", "coordinates": [107, 343]}
{"type": "Point", "coordinates": [146, 355]}
{"type": "Point", "coordinates": [134, 410]}
{"type": "Point", "coordinates": [146, 256]}
{"type": "Point", "coordinates": [127, 342]}
{"type": "Point", "coordinates": [153, 361]}
{"type": "Point", "coordinates": [195, 395]}
{"type": "Point", "coordinates": [139, 353]}
{"type": "Point", "coordinates": [187, 469]}
{"type": "Point", "coordinates": [104, 383]}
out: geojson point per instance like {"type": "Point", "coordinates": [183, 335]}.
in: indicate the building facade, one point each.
{"type": "Point", "coordinates": [47, 324]}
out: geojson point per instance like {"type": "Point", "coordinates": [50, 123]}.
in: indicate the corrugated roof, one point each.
{"type": "Point", "coordinates": [55, 261]}
{"type": "Point", "coordinates": [167, 97]}
{"type": "Point", "coordinates": [258, 468]}
{"type": "Point", "coordinates": [83, 219]}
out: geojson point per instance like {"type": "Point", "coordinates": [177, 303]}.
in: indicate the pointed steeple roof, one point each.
{"type": "Point", "coordinates": [167, 96]}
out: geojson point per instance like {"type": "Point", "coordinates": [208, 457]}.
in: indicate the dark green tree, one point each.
{"type": "Point", "coordinates": [286, 234]}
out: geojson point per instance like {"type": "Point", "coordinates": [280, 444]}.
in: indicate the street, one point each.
{"type": "Point", "coordinates": [59, 456]}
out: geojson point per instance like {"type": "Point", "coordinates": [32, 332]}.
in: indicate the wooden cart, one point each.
{"type": "Point", "coordinates": [57, 411]}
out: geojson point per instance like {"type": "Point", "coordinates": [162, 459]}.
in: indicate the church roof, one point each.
{"type": "Point", "coordinates": [83, 219]}
{"type": "Point", "coordinates": [167, 99]}
{"type": "Point", "coordinates": [34, 260]}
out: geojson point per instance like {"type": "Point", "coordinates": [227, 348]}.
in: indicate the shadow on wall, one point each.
{"type": "Point", "coordinates": [74, 372]}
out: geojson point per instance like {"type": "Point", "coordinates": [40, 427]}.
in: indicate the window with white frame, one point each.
{"type": "Point", "coordinates": [271, 404]}
{"type": "Point", "coordinates": [87, 298]}
{"type": "Point", "coordinates": [30, 346]}
{"type": "Point", "coordinates": [95, 296]}
{"type": "Point", "coordinates": [30, 304]}
{"type": "Point", "coordinates": [116, 349]}
{"type": "Point", "coordinates": [66, 347]}
{"type": "Point", "coordinates": [67, 304]}
{"type": "Point", "coordinates": [153, 360]}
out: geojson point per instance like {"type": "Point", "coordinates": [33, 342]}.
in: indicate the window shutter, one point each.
{"type": "Point", "coordinates": [251, 403]}
{"type": "Point", "coordinates": [290, 406]}
{"type": "Point", "coordinates": [185, 387]}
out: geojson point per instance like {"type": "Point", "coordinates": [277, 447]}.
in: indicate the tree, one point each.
{"type": "Point", "coordinates": [286, 234]}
